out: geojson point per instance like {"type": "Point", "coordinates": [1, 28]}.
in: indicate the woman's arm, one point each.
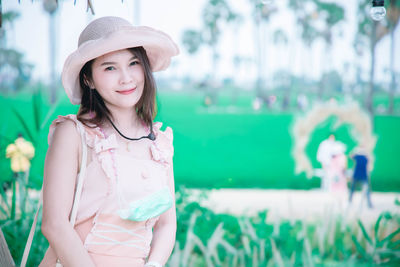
{"type": "Point", "coordinates": [60, 172]}
{"type": "Point", "coordinates": [165, 229]}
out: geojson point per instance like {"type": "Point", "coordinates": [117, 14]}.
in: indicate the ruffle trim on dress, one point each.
{"type": "Point", "coordinates": [104, 148]}
{"type": "Point", "coordinates": [162, 149]}
{"type": "Point", "coordinates": [90, 132]}
{"type": "Point", "coordinates": [59, 120]}
{"type": "Point", "coordinates": [95, 139]}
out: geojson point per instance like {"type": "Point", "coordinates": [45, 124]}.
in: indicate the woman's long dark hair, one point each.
{"type": "Point", "coordinates": [92, 103]}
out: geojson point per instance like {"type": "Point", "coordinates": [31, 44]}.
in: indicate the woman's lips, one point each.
{"type": "Point", "coordinates": [126, 92]}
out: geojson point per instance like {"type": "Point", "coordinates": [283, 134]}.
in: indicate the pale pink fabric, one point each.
{"type": "Point", "coordinates": [338, 168]}
{"type": "Point", "coordinates": [110, 240]}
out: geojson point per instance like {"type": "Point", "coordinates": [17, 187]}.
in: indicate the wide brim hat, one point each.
{"type": "Point", "coordinates": [108, 34]}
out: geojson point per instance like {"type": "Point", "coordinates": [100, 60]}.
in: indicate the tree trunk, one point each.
{"type": "Point", "coordinates": [325, 72]}
{"type": "Point", "coordinates": [393, 80]}
{"type": "Point", "coordinates": [52, 44]}
{"type": "Point", "coordinates": [136, 12]}
{"type": "Point", "coordinates": [370, 94]}
{"type": "Point", "coordinates": [1, 14]}
{"type": "Point", "coordinates": [212, 87]}
{"type": "Point", "coordinates": [258, 59]}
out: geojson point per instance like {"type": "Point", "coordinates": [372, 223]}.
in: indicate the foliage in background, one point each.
{"type": "Point", "coordinates": [216, 14]}
{"type": "Point", "coordinates": [15, 73]}
{"type": "Point", "coordinates": [393, 18]}
{"type": "Point", "coordinates": [369, 34]}
{"type": "Point", "coordinates": [205, 238]}
{"type": "Point", "coordinates": [319, 20]}
{"type": "Point", "coordinates": [272, 165]}
{"type": "Point", "coordinates": [262, 11]}
{"type": "Point", "coordinates": [208, 239]}
{"type": "Point", "coordinates": [20, 152]}
{"type": "Point", "coordinates": [30, 119]}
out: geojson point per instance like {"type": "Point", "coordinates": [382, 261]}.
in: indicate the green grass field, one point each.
{"type": "Point", "coordinates": [223, 146]}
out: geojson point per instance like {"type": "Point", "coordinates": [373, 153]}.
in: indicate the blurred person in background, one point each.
{"type": "Point", "coordinates": [338, 168]}
{"type": "Point", "coordinates": [360, 174]}
{"type": "Point", "coordinates": [324, 156]}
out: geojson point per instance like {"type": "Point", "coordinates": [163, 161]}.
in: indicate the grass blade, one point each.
{"type": "Point", "coordinates": [276, 254]}
{"type": "Point", "coordinates": [365, 233]}
{"type": "Point", "coordinates": [49, 114]}
{"type": "Point", "coordinates": [36, 109]}
{"type": "Point", "coordinates": [390, 236]}
{"type": "Point", "coordinates": [4, 212]}
{"type": "Point", "coordinates": [394, 244]}
{"type": "Point", "coordinates": [23, 123]}
{"type": "Point", "coordinates": [4, 197]}
{"type": "Point", "coordinates": [359, 248]}
{"type": "Point", "coordinates": [376, 228]}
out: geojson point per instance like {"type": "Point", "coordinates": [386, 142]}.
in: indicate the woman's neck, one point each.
{"type": "Point", "coordinates": [127, 121]}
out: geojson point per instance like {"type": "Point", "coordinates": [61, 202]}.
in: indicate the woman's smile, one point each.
{"type": "Point", "coordinates": [126, 92]}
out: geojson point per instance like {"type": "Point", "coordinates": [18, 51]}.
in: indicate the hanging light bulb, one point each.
{"type": "Point", "coordinates": [50, 6]}
{"type": "Point", "coordinates": [378, 10]}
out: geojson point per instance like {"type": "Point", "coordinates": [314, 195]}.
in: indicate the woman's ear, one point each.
{"type": "Point", "coordinates": [88, 82]}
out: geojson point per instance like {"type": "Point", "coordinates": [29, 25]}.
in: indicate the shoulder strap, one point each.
{"type": "Point", "coordinates": [81, 177]}
{"type": "Point", "coordinates": [78, 191]}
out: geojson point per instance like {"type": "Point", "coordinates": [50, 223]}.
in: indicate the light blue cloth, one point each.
{"type": "Point", "coordinates": [148, 207]}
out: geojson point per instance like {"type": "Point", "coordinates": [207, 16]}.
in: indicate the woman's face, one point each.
{"type": "Point", "coordinates": [119, 78]}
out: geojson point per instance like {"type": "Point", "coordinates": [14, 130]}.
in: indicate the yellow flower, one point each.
{"type": "Point", "coordinates": [21, 152]}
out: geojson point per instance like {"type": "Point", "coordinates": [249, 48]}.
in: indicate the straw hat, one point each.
{"type": "Point", "coordinates": [109, 34]}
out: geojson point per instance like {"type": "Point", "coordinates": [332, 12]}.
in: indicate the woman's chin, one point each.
{"type": "Point", "coordinates": [122, 105]}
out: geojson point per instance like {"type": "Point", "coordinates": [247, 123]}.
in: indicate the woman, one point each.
{"type": "Point", "coordinates": [126, 212]}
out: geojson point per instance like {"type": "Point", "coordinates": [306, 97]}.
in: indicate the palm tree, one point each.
{"type": "Point", "coordinates": [369, 33]}
{"type": "Point", "coordinates": [15, 73]}
{"type": "Point", "coordinates": [50, 6]}
{"type": "Point", "coordinates": [1, 14]}
{"type": "Point", "coordinates": [306, 28]}
{"type": "Point", "coordinates": [262, 12]}
{"type": "Point", "coordinates": [393, 18]}
{"type": "Point", "coordinates": [136, 12]}
{"type": "Point", "coordinates": [284, 77]}
{"type": "Point", "coordinates": [215, 14]}
{"type": "Point", "coordinates": [334, 15]}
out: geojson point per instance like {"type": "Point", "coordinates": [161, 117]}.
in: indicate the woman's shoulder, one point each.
{"type": "Point", "coordinates": [71, 122]}
{"type": "Point", "coordinates": [64, 126]}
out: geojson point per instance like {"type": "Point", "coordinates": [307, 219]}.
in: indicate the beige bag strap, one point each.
{"type": "Point", "coordinates": [81, 177]}
{"type": "Point", "coordinates": [78, 192]}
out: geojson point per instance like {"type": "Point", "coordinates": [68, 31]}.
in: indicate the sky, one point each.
{"type": "Point", "coordinates": [30, 35]}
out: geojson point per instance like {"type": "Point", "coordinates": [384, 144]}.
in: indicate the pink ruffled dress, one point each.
{"type": "Point", "coordinates": [109, 239]}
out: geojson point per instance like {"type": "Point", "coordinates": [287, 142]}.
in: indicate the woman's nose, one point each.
{"type": "Point", "coordinates": [125, 76]}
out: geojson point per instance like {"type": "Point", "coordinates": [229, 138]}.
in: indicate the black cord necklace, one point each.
{"type": "Point", "coordinates": [151, 135]}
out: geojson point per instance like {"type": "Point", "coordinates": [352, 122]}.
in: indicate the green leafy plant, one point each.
{"type": "Point", "coordinates": [208, 239]}
{"type": "Point", "coordinates": [379, 249]}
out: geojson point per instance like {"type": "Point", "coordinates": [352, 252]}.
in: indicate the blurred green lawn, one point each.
{"type": "Point", "coordinates": [223, 146]}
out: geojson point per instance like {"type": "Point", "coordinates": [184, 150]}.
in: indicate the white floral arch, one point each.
{"type": "Point", "coordinates": [349, 112]}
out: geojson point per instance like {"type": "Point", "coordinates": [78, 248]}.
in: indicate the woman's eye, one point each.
{"type": "Point", "coordinates": [133, 63]}
{"type": "Point", "coordinates": [110, 68]}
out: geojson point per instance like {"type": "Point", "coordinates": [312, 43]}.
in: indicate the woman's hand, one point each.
{"type": "Point", "coordinates": [164, 230]}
